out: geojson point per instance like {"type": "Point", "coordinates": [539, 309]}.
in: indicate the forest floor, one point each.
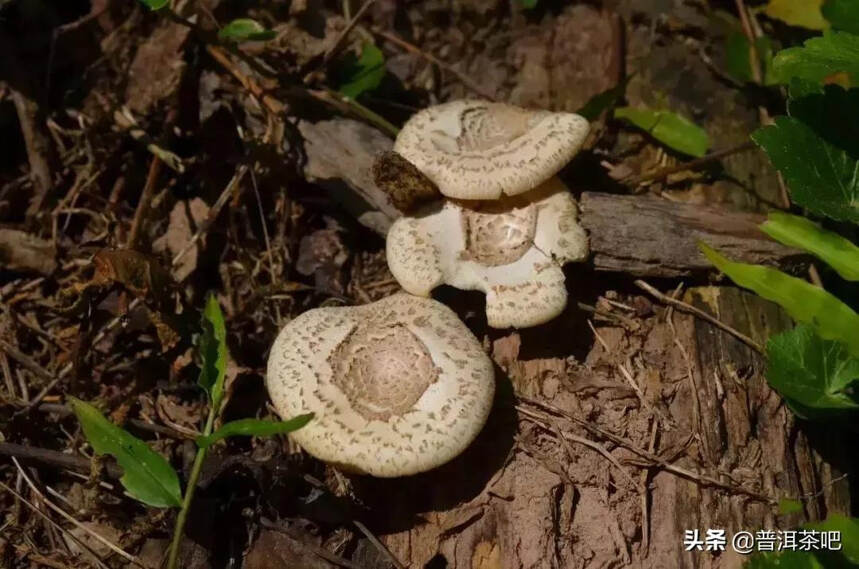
{"type": "Point", "coordinates": [146, 164]}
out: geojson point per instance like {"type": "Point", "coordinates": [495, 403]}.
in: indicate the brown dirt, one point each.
{"type": "Point", "coordinates": [121, 126]}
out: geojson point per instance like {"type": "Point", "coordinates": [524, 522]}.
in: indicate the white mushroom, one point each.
{"type": "Point", "coordinates": [511, 249]}
{"type": "Point", "coordinates": [397, 387]}
{"type": "Point", "coordinates": [480, 150]}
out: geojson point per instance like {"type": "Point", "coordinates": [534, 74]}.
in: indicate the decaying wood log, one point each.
{"type": "Point", "coordinates": [340, 155]}
{"type": "Point", "coordinates": [744, 429]}
{"type": "Point", "coordinates": [578, 467]}
{"type": "Point", "coordinates": [638, 235]}
{"type": "Point", "coordinates": [650, 236]}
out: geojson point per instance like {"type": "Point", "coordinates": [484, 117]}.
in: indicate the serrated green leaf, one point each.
{"type": "Point", "coordinates": [365, 74]}
{"type": "Point", "coordinates": [604, 101]}
{"type": "Point", "coordinates": [817, 151]}
{"type": "Point", "coordinates": [795, 231]}
{"type": "Point", "coordinates": [800, 88]}
{"type": "Point", "coordinates": [213, 351]}
{"type": "Point", "coordinates": [819, 58]}
{"type": "Point", "coordinates": [147, 476]}
{"type": "Point", "coordinates": [842, 14]}
{"type": "Point", "coordinates": [786, 506]}
{"type": "Point", "coordinates": [668, 128]}
{"type": "Point", "coordinates": [529, 5]}
{"type": "Point", "coordinates": [806, 303]}
{"type": "Point", "coordinates": [245, 29]}
{"type": "Point", "coordinates": [154, 4]}
{"type": "Point", "coordinates": [802, 13]}
{"type": "Point", "coordinates": [816, 373]}
{"type": "Point", "coordinates": [254, 427]}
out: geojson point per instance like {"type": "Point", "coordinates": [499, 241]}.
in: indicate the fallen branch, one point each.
{"type": "Point", "coordinates": [653, 237]}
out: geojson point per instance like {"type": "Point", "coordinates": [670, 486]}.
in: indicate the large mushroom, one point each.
{"type": "Point", "coordinates": [509, 224]}
{"type": "Point", "coordinates": [397, 387]}
{"type": "Point", "coordinates": [477, 150]}
{"type": "Point", "coordinates": [511, 249]}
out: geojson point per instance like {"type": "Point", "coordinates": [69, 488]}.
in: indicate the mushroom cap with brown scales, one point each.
{"type": "Point", "coordinates": [397, 387]}
{"type": "Point", "coordinates": [478, 150]}
{"type": "Point", "coordinates": [512, 249]}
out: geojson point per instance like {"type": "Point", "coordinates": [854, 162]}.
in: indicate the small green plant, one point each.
{"type": "Point", "coordinates": [245, 29]}
{"type": "Point", "coordinates": [147, 476]}
{"type": "Point", "coordinates": [238, 30]}
{"type": "Point", "coordinates": [364, 73]}
{"type": "Point", "coordinates": [815, 147]}
{"type": "Point", "coordinates": [669, 128]}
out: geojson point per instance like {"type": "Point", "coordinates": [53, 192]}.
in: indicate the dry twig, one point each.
{"type": "Point", "coordinates": [700, 314]}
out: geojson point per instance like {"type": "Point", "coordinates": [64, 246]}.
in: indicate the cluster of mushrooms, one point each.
{"type": "Point", "coordinates": [401, 385]}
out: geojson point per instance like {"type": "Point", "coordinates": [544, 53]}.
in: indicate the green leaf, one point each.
{"type": "Point", "coordinates": [802, 13]}
{"type": "Point", "coordinates": [213, 351]}
{"type": "Point", "coordinates": [154, 4]}
{"type": "Point", "coordinates": [668, 128]}
{"type": "Point", "coordinates": [849, 529]}
{"type": "Point", "coordinates": [819, 58]}
{"type": "Point", "coordinates": [365, 74]}
{"type": "Point", "coordinates": [806, 303]}
{"type": "Point", "coordinates": [147, 476]}
{"type": "Point", "coordinates": [786, 506]}
{"type": "Point", "coordinates": [737, 62]}
{"type": "Point", "coordinates": [604, 101]}
{"type": "Point", "coordinates": [800, 88]}
{"type": "Point", "coordinates": [255, 427]}
{"type": "Point", "coordinates": [529, 5]}
{"type": "Point", "coordinates": [816, 373]}
{"type": "Point", "coordinates": [737, 57]}
{"type": "Point", "coordinates": [245, 29]}
{"type": "Point", "coordinates": [795, 231]}
{"type": "Point", "coordinates": [764, 47]}
{"type": "Point", "coordinates": [842, 14]}
{"type": "Point", "coordinates": [783, 560]}
{"type": "Point", "coordinates": [817, 151]}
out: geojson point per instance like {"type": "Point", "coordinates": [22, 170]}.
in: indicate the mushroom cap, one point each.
{"type": "Point", "coordinates": [511, 249]}
{"type": "Point", "coordinates": [480, 150]}
{"type": "Point", "coordinates": [398, 386]}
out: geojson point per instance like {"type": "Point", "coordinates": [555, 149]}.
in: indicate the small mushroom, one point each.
{"type": "Point", "coordinates": [398, 387]}
{"type": "Point", "coordinates": [478, 150]}
{"type": "Point", "coordinates": [511, 249]}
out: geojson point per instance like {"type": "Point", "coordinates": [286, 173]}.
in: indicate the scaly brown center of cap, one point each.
{"type": "Point", "coordinates": [485, 127]}
{"type": "Point", "coordinates": [496, 238]}
{"type": "Point", "coordinates": [383, 371]}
